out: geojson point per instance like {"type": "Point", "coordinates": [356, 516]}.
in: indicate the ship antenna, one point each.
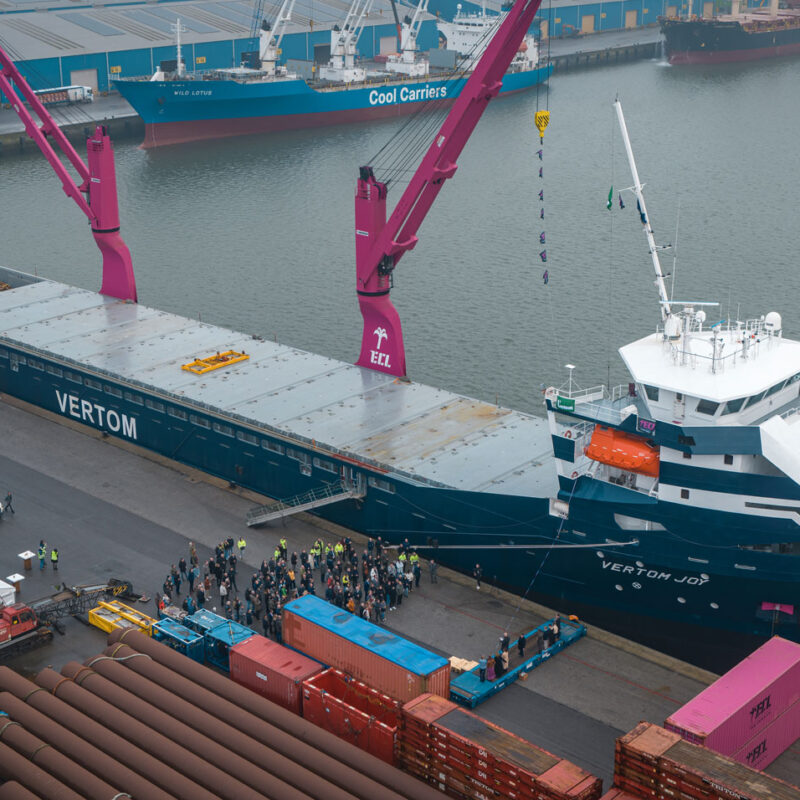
{"type": "Point", "coordinates": [637, 187]}
{"type": "Point", "coordinates": [675, 253]}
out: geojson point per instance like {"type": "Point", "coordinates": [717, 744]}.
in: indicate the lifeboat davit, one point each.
{"type": "Point", "coordinates": [623, 450]}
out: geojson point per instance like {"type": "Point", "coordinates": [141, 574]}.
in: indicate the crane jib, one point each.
{"type": "Point", "coordinates": [380, 243]}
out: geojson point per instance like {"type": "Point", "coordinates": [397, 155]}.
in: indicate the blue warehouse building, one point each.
{"type": "Point", "coordinates": [57, 44]}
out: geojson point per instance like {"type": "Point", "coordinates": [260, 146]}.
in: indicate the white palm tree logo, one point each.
{"type": "Point", "coordinates": [381, 334]}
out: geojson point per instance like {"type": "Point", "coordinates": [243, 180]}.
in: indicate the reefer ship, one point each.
{"type": "Point", "coordinates": [754, 34]}
{"type": "Point", "coordinates": [263, 96]}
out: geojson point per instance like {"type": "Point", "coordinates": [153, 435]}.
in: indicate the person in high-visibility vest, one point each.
{"type": "Point", "coordinates": [283, 546]}
{"type": "Point", "coordinates": [54, 559]}
{"type": "Point", "coordinates": [42, 553]}
{"type": "Point", "coordinates": [242, 543]}
{"type": "Point", "coordinates": [338, 548]}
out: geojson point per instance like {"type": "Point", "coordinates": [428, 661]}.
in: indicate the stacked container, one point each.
{"type": "Point", "coordinates": [468, 757]}
{"type": "Point", "coordinates": [374, 655]}
{"type": "Point", "coordinates": [653, 762]}
{"type": "Point", "coordinates": [221, 639]}
{"type": "Point", "coordinates": [752, 713]}
{"type": "Point", "coordinates": [619, 794]}
{"type": "Point", "coordinates": [353, 711]}
{"type": "Point", "coordinates": [273, 671]}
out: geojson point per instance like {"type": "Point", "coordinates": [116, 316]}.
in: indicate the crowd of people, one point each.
{"type": "Point", "coordinates": [496, 665]}
{"type": "Point", "coordinates": [370, 585]}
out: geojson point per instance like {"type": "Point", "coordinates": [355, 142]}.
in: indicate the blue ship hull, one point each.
{"type": "Point", "coordinates": [191, 110]}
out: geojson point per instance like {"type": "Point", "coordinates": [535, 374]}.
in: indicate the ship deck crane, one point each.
{"type": "Point", "coordinates": [271, 36]}
{"type": "Point", "coordinates": [380, 244]}
{"type": "Point", "coordinates": [343, 46]}
{"type": "Point", "coordinates": [406, 62]}
{"type": "Point", "coordinates": [95, 195]}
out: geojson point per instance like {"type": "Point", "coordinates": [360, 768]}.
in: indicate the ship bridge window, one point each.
{"type": "Point", "coordinates": [137, 399]}
{"type": "Point", "coordinates": [273, 446]}
{"type": "Point", "coordinates": [53, 370]}
{"type": "Point", "coordinates": [733, 406]}
{"type": "Point", "coordinates": [776, 388]}
{"type": "Point", "coordinates": [154, 405]}
{"type": "Point", "coordinates": [73, 376]}
{"type": "Point", "coordinates": [38, 365]}
{"type": "Point", "coordinates": [199, 421]}
{"type": "Point", "coordinates": [651, 392]}
{"type": "Point", "coordinates": [178, 413]}
{"type": "Point", "coordinates": [793, 379]}
{"type": "Point", "coordinates": [242, 436]}
{"type": "Point", "coordinates": [328, 466]}
{"type": "Point", "coordinates": [3, 353]}
{"type": "Point", "coordinates": [96, 385]}
{"type": "Point", "coordinates": [756, 398]}
{"type": "Point", "coordinates": [112, 390]}
{"type": "Point", "coordinates": [707, 407]}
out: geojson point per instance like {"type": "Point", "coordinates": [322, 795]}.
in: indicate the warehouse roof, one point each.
{"type": "Point", "coordinates": [50, 28]}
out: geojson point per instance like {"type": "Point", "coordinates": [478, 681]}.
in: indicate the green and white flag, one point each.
{"type": "Point", "coordinates": [610, 202]}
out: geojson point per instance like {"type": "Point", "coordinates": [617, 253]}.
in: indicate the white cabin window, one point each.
{"type": "Point", "coordinates": [651, 392]}
{"type": "Point", "coordinates": [707, 407]}
{"type": "Point", "coordinates": [733, 406]}
{"type": "Point", "coordinates": [756, 398]}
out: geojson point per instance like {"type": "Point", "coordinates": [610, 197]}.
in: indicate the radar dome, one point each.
{"type": "Point", "coordinates": [773, 323]}
{"type": "Point", "coordinates": [700, 316]}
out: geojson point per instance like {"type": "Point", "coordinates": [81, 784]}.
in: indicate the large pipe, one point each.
{"type": "Point", "coordinates": [219, 784]}
{"type": "Point", "coordinates": [224, 733]}
{"type": "Point", "coordinates": [110, 742]}
{"type": "Point", "coordinates": [263, 732]}
{"type": "Point", "coordinates": [54, 763]}
{"type": "Point", "coordinates": [165, 713]}
{"type": "Point", "coordinates": [328, 749]}
{"type": "Point", "coordinates": [80, 751]}
{"type": "Point", "coordinates": [11, 790]}
{"type": "Point", "coordinates": [13, 766]}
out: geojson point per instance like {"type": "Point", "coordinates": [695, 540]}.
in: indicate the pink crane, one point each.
{"type": "Point", "coordinates": [380, 244]}
{"type": "Point", "coordinates": [98, 179]}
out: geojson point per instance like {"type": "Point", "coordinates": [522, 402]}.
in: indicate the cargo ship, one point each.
{"type": "Point", "coordinates": [739, 36]}
{"type": "Point", "coordinates": [669, 502]}
{"type": "Point", "coordinates": [261, 96]}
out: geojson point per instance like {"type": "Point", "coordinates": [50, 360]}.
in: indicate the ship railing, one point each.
{"type": "Point", "coordinates": [222, 414]}
{"type": "Point", "coordinates": [790, 412]}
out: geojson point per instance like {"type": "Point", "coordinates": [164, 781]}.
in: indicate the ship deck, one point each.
{"type": "Point", "coordinates": [429, 435]}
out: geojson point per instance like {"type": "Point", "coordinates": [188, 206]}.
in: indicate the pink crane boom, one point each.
{"type": "Point", "coordinates": [380, 244]}
{"type": "Point", "coordinates": [98, 179]}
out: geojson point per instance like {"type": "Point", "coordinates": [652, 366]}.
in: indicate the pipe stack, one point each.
{"type": "Point", "coordinates": [139, 722]}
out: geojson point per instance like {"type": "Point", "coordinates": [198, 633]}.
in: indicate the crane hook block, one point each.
{"type": "Point", "coordinates": [541, 121]}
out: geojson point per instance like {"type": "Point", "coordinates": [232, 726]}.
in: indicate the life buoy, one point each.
{"type": "Point", "coordinates": [568, 435]}
{"type": "Point", "coordinates": [574, 475]}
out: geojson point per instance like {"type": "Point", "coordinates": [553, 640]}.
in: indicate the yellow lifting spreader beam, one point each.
{"type": "Point", "coordinates": [202, 365]}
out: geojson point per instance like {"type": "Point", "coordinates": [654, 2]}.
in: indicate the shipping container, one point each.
{"type": "Point", "coordinates": [620, 794]}
{"type": "Point", "coordinates": [464, 755]}
{"type": "Point", "coordinates": [273, 671]}
{"type": "Point", "coordinates": [203, 621]}
{"type": "Point", "coordinates": [353, 711]}
{"type": "Point", "coordinates": [769, 743]}
{"type": "Point", "coordinates": [179, 638]}
{"type": "Point", "coordinates": [744, 701]}
{"type": "Point", "coordinates": [221, 639]}
{"type": "Point", "coordinates": [374, 655]}
{"type": "Point", "coordinates": [654, 762]}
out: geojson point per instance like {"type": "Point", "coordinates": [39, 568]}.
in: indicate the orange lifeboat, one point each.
{"type": "Point", "coordinates": [623, 450]}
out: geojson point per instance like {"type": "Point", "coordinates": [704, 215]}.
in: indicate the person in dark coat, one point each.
{"type": "Point", "coordinates": [498, 665]}
{"type": "Point", "coordinates": [521, 646]}
{"type": "Point", "coordinates": [505, 641]}
{"type": "Point", "coordinates": [477, 573]}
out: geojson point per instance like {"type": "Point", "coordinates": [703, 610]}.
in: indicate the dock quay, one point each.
{"type": "Point", "coordinates": [113, 512]}
{"type": "Point", "coordinates": [110, 109]}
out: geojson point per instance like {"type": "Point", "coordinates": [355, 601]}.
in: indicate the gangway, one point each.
{"type": "Point", "coordinates": [315, 498]}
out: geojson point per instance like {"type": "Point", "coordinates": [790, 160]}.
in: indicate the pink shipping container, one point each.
{"type": "Point", "coordinates": [744, 701]}
{"type": "Point", "coordinates": [273, 671]}
{"type": "Point", "coordinates": [353, 711]}
{"type": "Point", "coordinates": [769, 743]}
{"type": "Point", "coordinates": [374, 655]}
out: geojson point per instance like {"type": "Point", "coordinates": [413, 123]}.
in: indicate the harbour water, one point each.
{"type": "Point", "coordinates": [257, 233]}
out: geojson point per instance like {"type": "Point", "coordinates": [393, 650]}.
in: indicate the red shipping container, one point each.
{"type": "Point", "coordinates": [769, 743]}
{"type": "Point", "coordinates": [380, 658]}
{"type": "Point", "coordinates": [744, 701]}
{"type": "Point", "coordinates": [619, 794]}
{"type": "Point", "coordinates": [273, 671]}
{"type": "Point", "coordinates": [353, 711]}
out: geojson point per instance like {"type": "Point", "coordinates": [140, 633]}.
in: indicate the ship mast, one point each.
{"type": "Point", "coordinates": [637, 187]}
